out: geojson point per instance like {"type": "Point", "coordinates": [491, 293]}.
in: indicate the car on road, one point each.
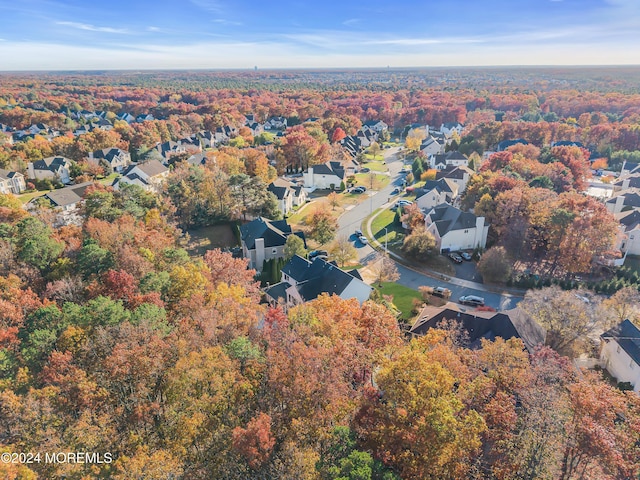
{"type": "Point", "coordinates": [455, 257]}
{"type": "Point", "coordinates": [395, 191]}
{"type": "Point", "coordinates": [358, 232]}
{"type": "Point", "coordinates": [363, 239]}
{"type": "Point", "coordinates": [467, 256]}
{"type": "Point", "coordinates": [441, 292]}
{"type": "Point", "coordinates": [472, 300]}
{"type": "Point", "coordinates": [318, 254]}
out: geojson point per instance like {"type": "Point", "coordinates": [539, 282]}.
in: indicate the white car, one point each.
{"type": "Point", "coordinates": [363, 239]}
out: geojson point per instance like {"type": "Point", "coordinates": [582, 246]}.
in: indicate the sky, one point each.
{"type": "Point", "coordinates": [241, 34]}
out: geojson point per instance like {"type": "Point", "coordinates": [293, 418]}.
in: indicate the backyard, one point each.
{"type": "Point", "coordinates": [206, 238]}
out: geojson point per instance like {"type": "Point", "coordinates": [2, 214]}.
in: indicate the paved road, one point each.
{"type": "Point", "coordinates": [352, 220]}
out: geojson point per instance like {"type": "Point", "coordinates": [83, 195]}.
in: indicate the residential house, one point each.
{"type": "Point", "coordinates": [256, 128]}
{"type": "Point", "coordinates": [627, 182]}
{"type": "Point", "coordinates": [304, 280]}
{"type": "Point", "coordinates": [200, 159]}
{"type": "Point", "coordinates": [352, 145]}
{"type": "Point", "coordinates": [12, 182]}
{"type": "Point", "coordinates": [224, 134]}
{"type": "Point", "coordinates": [144, 117]}
{"type": "Point", "coordinates": [629, 168]}
{"type": "Point", "coordinates": [126, 117]}
{"type": "Point", "coordinates": [567, 143]}
{"type": "Point", "coordinates": [377, 125]}
{"type": "Point", "coordinates": [620, 353]}
{"type": "Point", "coordinates": [479, 325]}
{"type": "Point", "coordinates": [82, 130]}
{"type": "Point", "coordinates": [459, 175]}
{"type": "Point", "coordinates": [503, 145]}
{"type": "Point", "coordinates": [450, 159]}
{"type": "Point", "coordinates": [629, 237]}
{"type": "Point", "coordinates": [149, 175]}
{"type": "Point", "coordinates": [430, 146]}
{"type": "Point", "coordinates": [436, 192]}
{"type": "Point", "coordinates": [116, 158]}
{"type": "Point", "coordinates": [456, 230]}
{"type": "Point", "coordinates": [53, 168]}
{"type": "Point", "coordinates": [288, 194]}
{"type": "Point", "coordinates": [207, 139]}
{"type": "Point", "coordinates": [264, 239]}
{"type": "Point", "coordinates": [276, 123]}
{"type": "Point", "coordinates": [450, 127]}
{"type": "Point", "coordinates": [625, 201]}
{"type": "Point", "coordinates": [68, 198]}
{"type": "Point", "coordinates": [327, 175]}
{"type": "Point", "coordinates": [102, 124]}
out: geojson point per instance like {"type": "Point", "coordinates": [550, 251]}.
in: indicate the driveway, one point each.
{"type": "Point", "coordinates": [467, 271]}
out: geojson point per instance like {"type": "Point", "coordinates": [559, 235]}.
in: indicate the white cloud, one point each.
{"type": "Point", "coordinates": [213, 6]}
{"type": "Point", "coordinates": [351, 21]}
{"type": "Point", "coordinates": [93, 28]}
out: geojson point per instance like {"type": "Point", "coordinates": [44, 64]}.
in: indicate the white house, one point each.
{"type": "Point", "coordinates": [54, 168]}
{"type": "Point", "coordinates": [629, 237]}
{"type": "Point", "coordinates": [620, 353]}
{"type": "Point", "coordinates": [264, 239]}
{"type": "Point", "coordinates": [378, 125]}
{"type": "Point", "coordinates": [450, 159]}
{"type": "Point", "coordinates": [323, 176]}
{"type": "Point", "coordinates": [450, 127]}
{"type": "Point", "coordinates": [148, 175]}
{"type": "Point", "coordinates": [12, 182]}
{"type": "Point", "coordinates": [303, 281]}
{"type": "Point", "coordinates": [436, 192]}
{"type": "Point", "coordinates": [458, 175]}
{"type": "Point", "coordinates": [288, 194]}
{"type": "Point", "coordinates": [430, 146]}
{"type": "Point", "coordinates": [627, 200]}
{"type": "Point", "coordinates": [68, 198]}
{"type": "Point", "coordinates": [116, 158]}
{"type": "Point", "coordinates": [456, 230]}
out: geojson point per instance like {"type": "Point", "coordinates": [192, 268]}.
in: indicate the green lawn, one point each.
{"type": "Point", "coordinates": [108, 180]}
{"type": "Point", "coordinates": [27, 197]}
{"type": "Point", "coordinates": [379, 181]}
{"type": "Point", "coordinates": [393, 234]}
{"type": "Point", "coordinates": [402, 297]}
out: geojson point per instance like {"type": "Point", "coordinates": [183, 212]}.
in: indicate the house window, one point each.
{"type": "Point", "coordinates": [274, 251]}
{"type": "Point", "coordinates": [466, 231]}
{"type": "Point", "coordinates": [631, 364]}
{"type": "Point", "coordinates": [618, 349]}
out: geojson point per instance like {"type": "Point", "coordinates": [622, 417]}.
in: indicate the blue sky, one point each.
{"type": "Point", "coordinates": [145, 34]}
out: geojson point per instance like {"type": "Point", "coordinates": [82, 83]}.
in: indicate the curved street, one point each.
{"type": "Point", "coordinates": [353, 219]}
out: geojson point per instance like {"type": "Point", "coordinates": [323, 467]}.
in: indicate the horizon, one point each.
{"type": "Point", "coordinates": [68, 35]}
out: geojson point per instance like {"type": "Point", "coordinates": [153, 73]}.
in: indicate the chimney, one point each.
{"type": "Point", "coordinates": [619, 203]}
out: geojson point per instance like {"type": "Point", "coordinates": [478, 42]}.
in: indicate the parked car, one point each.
{"type": "Point", "coordinates": [402, 203]}
{"type": "Point", "coordinates": [358, 190]}
{"type": "Point", "coordinates": [441, 292]}
{"type": "Point", "coordinates": [467, 256]}
{"type": "Point", "coordinates": [365, 170]}
{"type": "Point", "coordinates": [395, 191]}
{"type": "Point", "coordinates": [471, 300]}
{"type": "Point", "coordinates": [358, 232]}
{"type": "Point", "coordinates": [363, 239]}
{"type": "Point", "coordinates": [455, 257]}
{"type": "Point", "coordinates": [318, 254]}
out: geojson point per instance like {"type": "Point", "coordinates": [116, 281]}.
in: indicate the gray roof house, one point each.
{"type": "Point", "coordinates": [116, 158]}
{"type": "Point", "coordinates": [514, 323]}
{"type": "Point", "coordinates": [456, 230]}
{"type": "Point", "coordinates": [263, 239]}
{"type": "Point", "coordinates": [50, 167]}
{"type": "Point", "coordinates": [620, 353]}
{"type": "Point", "coordinates": [12, 182]}
{"type": "Point", "coordinates": [303, 281]}
{"type": "Point", "coordinates": [149, 175]}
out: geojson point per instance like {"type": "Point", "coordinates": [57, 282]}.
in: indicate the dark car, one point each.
{"type": "Point", "coordinates": [472, 300]}
{"type": "Point", "coordinates": [318, 254]}
{"type": "Point", "coordinates": [455, 257]}
{"type": "Point", "coordinates": [365, 170]}
{"type": "Point", "coordinates": [358, 190]}
{"type": "Point", "coordinates": [395, 191]}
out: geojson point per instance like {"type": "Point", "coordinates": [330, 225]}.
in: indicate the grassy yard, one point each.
{"type": "Point", "coordinates": [108, 180]}
{"type": "Point", "coordinates": [379, 180]}
{"type": "Point", "coordinates": [402, 297]}
{"type": "Point", "coordinates": [205, 238]}
{"type": "Point", "coordinates": [27, 197]}
{"type": "Point", "coordinates": [394, 233]}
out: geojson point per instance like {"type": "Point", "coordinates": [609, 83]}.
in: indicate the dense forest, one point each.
{"type": "Point", "coordinates": [114, 339]}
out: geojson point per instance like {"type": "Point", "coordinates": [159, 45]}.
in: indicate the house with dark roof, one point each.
{"type": "Point", "coordinates": [450, 159]}
{"type": "Point", "coordinates": [276, 123]}
{"type": "Point", "coordinates": [53, 168]}
{"type": "Point", "coordinates": [629, 236]}
{"type": "Point", "coordinates": [148, 175]}
{"type": "Point", "coordinates": [377, 125]}
{"type": "Point", "coordinates": [288, 194]}
{"type": "Point", "coordinates": [116, 158]}
{"type": "Point", "coordinates": [456, 230]}
{"type": "Point", "coordinates": [327, 175]}
{"type": "Point", "coordinates": [224, 134]}
{"type": "Point", "coordinates": [126, 117]}
{"type": "Point", "coordinates": [620, 353]}
{"type": "Point", "coordinates": [567, 143]}
{"type": "Point", "coordinates": [263, 239]}
{"type": "Point", "coordinates": [627, 182]}
{"type": "Point", "coordinates": [458, 175]}
{"type": "Point", "coordinates": [436, 192]}
{"type": "Point", "coordinates": [12, 182]}
{"type": "Point", "coordinates": [304, 280]}
{"type": "Point", "coordinates": [503, 145]}
{"type": "Point", "coordinates": [431, 146]}
{"type": "Point", "coordinates": [624, 201]}
{"type": "Point", "coordinates": [479, 325]}
{"type": "Point", "coordinates": [629, 168]}
{"type": "Point", "coordinates": [449, 127]}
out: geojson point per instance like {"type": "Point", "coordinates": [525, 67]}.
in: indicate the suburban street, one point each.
{"type": "Point", "coordinates": [353, 219]}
